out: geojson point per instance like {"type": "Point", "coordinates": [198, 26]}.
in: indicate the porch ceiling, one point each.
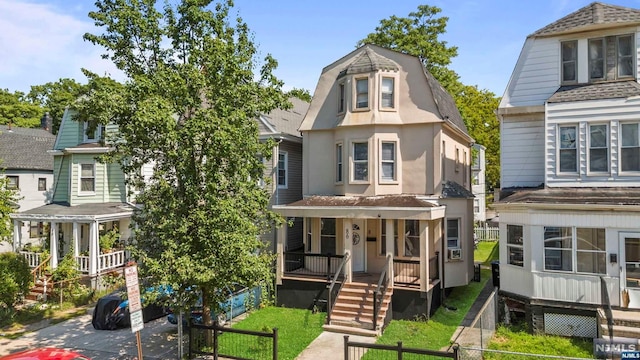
{"type": "Point", "coordinates": [364, 207]}
{"type": "Point", "coordinates": [61, 212]}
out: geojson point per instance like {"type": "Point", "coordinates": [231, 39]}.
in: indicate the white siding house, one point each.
{"type": "Point", "coordinates": [570, 171]}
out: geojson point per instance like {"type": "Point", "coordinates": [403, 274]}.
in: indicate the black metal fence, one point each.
{"type": "Point", "coordinates": [311, 264]}
{"type": "Point", "coordinates": [225, 342]}
{"type": "Point", "coordinates": [356, 350]}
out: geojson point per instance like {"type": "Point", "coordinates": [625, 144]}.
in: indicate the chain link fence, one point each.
{"type": "Point", "coordinates": [469, 353]}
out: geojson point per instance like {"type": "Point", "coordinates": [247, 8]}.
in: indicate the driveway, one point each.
{"type": "Point", "coordinates": [159, 340]}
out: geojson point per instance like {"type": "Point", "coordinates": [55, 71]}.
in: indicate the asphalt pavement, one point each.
{"type": "Point", "coordinates": [159, 340]}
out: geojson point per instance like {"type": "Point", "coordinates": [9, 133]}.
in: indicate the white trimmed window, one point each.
{"type": "Point", "coordinates": [387, 93]}
{"type": "Point", "coordinates": [87, 178]}
{"type": "Point", "coordinates": [630, 147]}
{"type": "Point", "coordinates": [360, 161]}
{"type": "Point", "coordinates": [591, 251]}
{"type": "Point", "coordinates": [515, 248]}
{"type": "Point", "coordinates": [596, 59]}
{"type": "Point", "coordinates": [42, 184]}
{"type": "Point", "coordinates": [13, 182]}
{"type": "Point", "coordinates": [362, 93]}
{"type": "Point", "coordinates": [598, 148]}
{"type": "Point", "coordinates": [453, 233]}
{"type": "Point", "coordinates": [388, 161]}
{"type": "Point", "coordinates": [282, 169]}
{"type": "Point", "coordinates": [328, 236]}
{"type": "Point", "coordinates": [558, 248]}
{"type": "Point", "coordinates": [626, 49]}
{"type": "Point", "coordinates": [568, 151]}
{"type": "Point", "coordinates": [569, 61]}
{"type": "Point", "coordinates": [95, 135]}
{"type": "Point", "coordinates": [339, 162]}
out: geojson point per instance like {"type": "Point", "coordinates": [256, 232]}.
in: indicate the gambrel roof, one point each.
{"type": "Point", "coordinates": [26, 149]}
{"type": "Point", "coordinates": [281, 121]}
{"type": "Point", "coordinates": [590, 17]}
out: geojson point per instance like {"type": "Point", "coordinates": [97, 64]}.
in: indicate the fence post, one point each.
{"type": "Point", "coordinates": [275, 343]}
{"type": "Point", "coordinates": [191, 339]}
{"type": "Point", "coordinates": [329, 267]}
{"type": "Point", "coordinates": [61, 290]}
{"type": "Point", "coordinates": [455, 351]}
{"type": "Point", "coordinates": [399, 350]}
{"type": "Point", "coordinates": [346, 347]}
{"type": "Point", "coordinates": [215, 339]}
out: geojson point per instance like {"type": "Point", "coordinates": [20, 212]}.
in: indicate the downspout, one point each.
{"type": "Point", "coordinates": [443, 256]}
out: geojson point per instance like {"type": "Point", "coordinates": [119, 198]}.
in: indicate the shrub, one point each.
{"type": "Point", "coordinates": [15, 278]}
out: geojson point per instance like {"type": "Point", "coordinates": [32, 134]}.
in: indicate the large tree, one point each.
{"type": "Point", "coordinates": [54, 97]}
{"type": "Point", "coordinates": [418, 34]}
{"type": "Point", "coordinates": [16, 109]}
{"type": "Point", "coordinates": [189, 108]}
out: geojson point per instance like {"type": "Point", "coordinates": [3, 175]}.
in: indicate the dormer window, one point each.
{"type": "Point", "coordinates": [362, 93]}
{"type": "Point", "coordinates": [569, 61]}
{"type": "Point", "coordinates": [93, 136]}
{"type": "Point", "coordinates": [341, 99]}
{"type": "Point", "coordinates": [387, 90]}
{"type": "Point", "coordinates": [596, 59]}
{"type": "Point", "coordinates": [625, 55]}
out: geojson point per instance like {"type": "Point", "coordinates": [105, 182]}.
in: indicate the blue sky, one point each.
{"type": "Point", "coordinates": [41, 40]}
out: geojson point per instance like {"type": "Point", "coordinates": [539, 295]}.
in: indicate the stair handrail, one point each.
{"type": "Point", "coordinates": [38, 270]}
{"type": "Point", "coordinates": [330, 301]}
{"type": "Point", "coordinates": [378, 295]}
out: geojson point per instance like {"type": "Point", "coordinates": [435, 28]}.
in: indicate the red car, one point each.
{"type": "Point", "coordinates": [45, 353]}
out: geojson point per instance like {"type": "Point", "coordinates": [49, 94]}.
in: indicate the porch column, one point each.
{"type": "Point", "coordinates": [424, 255]}
{"type": "Point", "coordinates": [347, 243]}
{"type": "Point", "coordinates": [53, 245]}
{"type": "Point", "coordinates": [281, 235]}
{"type": "Point", "coordinates": [93, 248]}
{"type": "Point", "coordinates": [388, 238]}
{"type": "Point", "coordinates": [75, 240]}
{"type": "Point", "coordinates": [17, 235]}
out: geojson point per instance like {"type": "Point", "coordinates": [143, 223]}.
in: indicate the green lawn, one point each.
{"type": "Point", "coordinates": [296, 330]}
{"type": "Point", "coordinates": [517, 340]}
{"type": "Point", "coordinates": [486, 252]}
{"type": "Point", "coordinates": [435, 333]}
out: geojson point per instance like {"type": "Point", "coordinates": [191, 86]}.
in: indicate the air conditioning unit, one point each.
{"type": "Point", "coordinates": [455, 254]}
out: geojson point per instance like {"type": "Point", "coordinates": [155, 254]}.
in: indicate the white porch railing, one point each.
{"type": "Point", "coordinates": [487, 233]}
{"type": "Point", "coordinates": [33, 258]}
{"type": "Point", "coordinates": [106, 261]}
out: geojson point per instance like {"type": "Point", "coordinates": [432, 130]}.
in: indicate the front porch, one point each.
{"type": "Point", "coordinates": [95, 235]}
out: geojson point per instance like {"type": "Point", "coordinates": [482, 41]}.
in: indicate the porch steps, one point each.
{"type": "Point", "coordinates": [36, 292]}
{"type": "Point", "coordinates": [625, 323]}
{"type": "Point", "coordinates": [352, 312]}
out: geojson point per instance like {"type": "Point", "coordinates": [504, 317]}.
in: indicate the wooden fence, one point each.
{"type": "Point", "coordinates": [486, 233]}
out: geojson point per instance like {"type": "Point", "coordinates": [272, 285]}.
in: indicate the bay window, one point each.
{"type": "Point", "coordinates": [362, 93]}
{"type": "Point", "coordinates": [387, 92]}
{"type": "Point", "coordinates": [388, 161]}
{"type": "Point", "coordinates": [360, 161]}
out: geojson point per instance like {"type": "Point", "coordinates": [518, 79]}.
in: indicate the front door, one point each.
{"type": "Point", "coordinates": [358, 241]}
{"type": "Point", "coordinates": [630, 270]}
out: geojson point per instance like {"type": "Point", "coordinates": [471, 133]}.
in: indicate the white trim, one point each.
{"type": "Point", "coordinates": [607, 147]}
{"type": "Point", "coordinates": [342, 167]}
{"type": "Point", "coordinates": [354, 106]}
{"type": "Point", "coordinates": [286, 170]}
{"type": "Point", "coordinates": [394, 78]}
{"type": "Point", "coordinates": [359, 212]}
{"type": "Point", "coordinates": [97, 135]}
{"type": "Point", "coordinates": [576, 149]}
{"type": "Point", "coordinates": [395, 162]}
{"type": "Point", "coordinates": [342, 85]}
{"type": "Point", "coordinates": [352, 162]}
{"type": "Point", "coordinates": [620, 156]}
{"type": "Point", "coordinates": [86, 193]}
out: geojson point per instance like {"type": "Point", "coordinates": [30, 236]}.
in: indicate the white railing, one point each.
{"type": "Point", "coordinates": [111, 260]}
{"type": "Point", "coordinates": [33, 258]}
{"type": "Point", "coordinates": [487, 233]}
{"type": "Point", "coordinates": [83, 264]}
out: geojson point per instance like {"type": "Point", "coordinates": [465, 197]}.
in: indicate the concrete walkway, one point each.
{"type": "Point", "coordinates": [474, 337]}
{"type": "Point", "coordinates": [330, 345]}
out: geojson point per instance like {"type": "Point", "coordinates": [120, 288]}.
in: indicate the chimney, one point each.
{"type": "Point", "coordinates": [598, 13]}
{"type": "Point", "coordinates": [46, 122]}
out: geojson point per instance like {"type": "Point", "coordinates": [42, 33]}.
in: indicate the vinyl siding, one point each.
{"type": "Point", "coordinates": [522, 151]}
{"type": "Point", "coordinates": [61, 176]}
{"type": "Point", "coordinates": [101, 193]}
{"type": "Point", "coordinates": [70, 132]}
{"type": "Point", "coordinates": [611, 112]}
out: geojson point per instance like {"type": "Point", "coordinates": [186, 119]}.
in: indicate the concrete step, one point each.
{"type": "Point", "coordinates": [620, 331]}
{"type": "Point", "coordinates": [364, 316]}
{"type": "Point", "coordinates": [350, 330]}
{"type": "Point", "coordinates": [627, 317]}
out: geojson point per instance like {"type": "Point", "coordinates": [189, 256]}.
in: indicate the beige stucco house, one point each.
{"type": "Point", "coordinates": [386, 191]}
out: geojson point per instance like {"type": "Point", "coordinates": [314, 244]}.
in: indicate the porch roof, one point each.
{"type": "Point", "coordinates": [63, 212]}
{"type": "Point", "coordinates": [364, 207]}
{"type": "Point", "coordinates": [627, 198]}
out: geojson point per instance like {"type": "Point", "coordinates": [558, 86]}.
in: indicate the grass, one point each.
{"type": "Point", "coordinates": [516, 339]}
{"type": "Point", "coordinates": [486, 252]}
{"type": "Point", "coordinates": [297, 328]}
{"type": "Point", "coordinates": [435, 333]}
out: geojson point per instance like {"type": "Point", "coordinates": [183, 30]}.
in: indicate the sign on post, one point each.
{"type": "Point", "coordinates": [135, 306]}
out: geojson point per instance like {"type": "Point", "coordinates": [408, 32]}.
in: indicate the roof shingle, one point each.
{"type": "Point", "coordinates": [26, 149]}
{"type": "Point", "coordinates": [596, 91]}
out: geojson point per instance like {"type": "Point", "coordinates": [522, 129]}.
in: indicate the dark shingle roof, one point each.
{"type": "Point", "coordinates": [445, 103]}
{"type": "Point", "coordinates": [591, 16]}
{"type": "Point", "coordinates": [596, 91]}
{"type": "Point", "coordinates": [369, 61]}
{"type": "Point", "coordinates": [451, 189]}
{"type": "Point", "coordinates": [92, 209]}
{"type": "Point", "coordinates": [287, 121]}
{"type": "Point", "coordinates": [380, 201]}
{"type": "Point", "coordinates": [596, 196]}
{"type": "Point", "coordinates": [23, 148]}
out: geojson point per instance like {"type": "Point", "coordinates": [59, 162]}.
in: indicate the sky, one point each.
{"type": "Point", "coordinates": [41, 40]}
